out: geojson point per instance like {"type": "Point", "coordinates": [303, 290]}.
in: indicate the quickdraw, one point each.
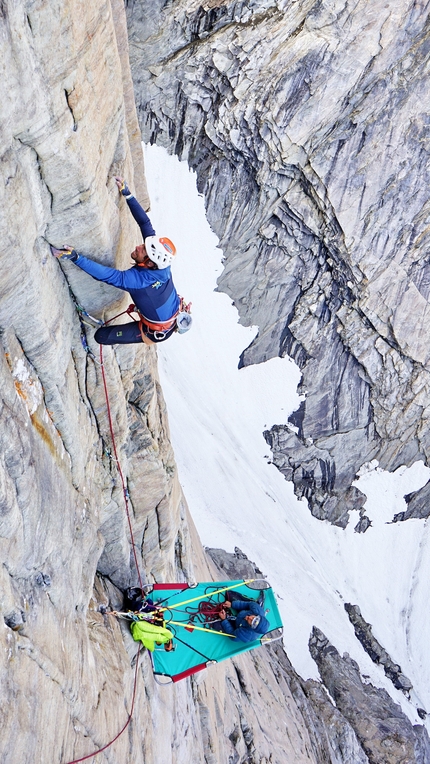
{"type": "Point", "coordinates": [184, 307]}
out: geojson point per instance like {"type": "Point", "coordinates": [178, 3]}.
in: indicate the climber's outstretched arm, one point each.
{"type": "Point", "coordinates": [129, 279]}
{"type": "Point", "coordinates": [136, 210]}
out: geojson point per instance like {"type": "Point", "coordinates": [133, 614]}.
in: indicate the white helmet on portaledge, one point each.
{"type": "Point", "coordinates": [160, 250]}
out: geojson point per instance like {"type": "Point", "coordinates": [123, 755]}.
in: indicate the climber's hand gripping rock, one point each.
{"type": "Point", "coordinates": [65, 253]}
{"type": "Point", "coordinates": [122, 186]}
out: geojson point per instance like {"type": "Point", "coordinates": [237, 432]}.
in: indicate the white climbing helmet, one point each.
{"type": "Point", "coordinates": [160, 250]}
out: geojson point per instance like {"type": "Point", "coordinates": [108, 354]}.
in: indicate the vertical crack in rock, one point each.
{"type": "Point", "coordinates": [69, 99]}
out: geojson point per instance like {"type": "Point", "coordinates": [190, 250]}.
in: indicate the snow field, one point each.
{"type": "Point", "coordinates": [217, 414]}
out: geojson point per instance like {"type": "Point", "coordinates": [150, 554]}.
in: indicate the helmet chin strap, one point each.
{"type": "Point", "coordinates": [148, 263]}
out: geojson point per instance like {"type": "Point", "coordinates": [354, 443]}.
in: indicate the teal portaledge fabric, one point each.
{"type": "Point", "coordinates": [195, 648]}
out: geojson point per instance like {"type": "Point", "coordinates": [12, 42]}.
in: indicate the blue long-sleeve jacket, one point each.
{"type": "Point", "coordinates": [152, 291]}
{"type": "Point", "coordinates": [241, 629]}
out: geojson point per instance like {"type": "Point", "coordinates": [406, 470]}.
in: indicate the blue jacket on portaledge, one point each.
{"type": "Point", "coordinates": [152, 291]}
{"type": "Point", "coordinates": [241, 629]}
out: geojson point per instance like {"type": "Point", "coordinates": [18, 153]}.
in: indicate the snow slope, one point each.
{"type": "Point", "coordinates": [237, 498]}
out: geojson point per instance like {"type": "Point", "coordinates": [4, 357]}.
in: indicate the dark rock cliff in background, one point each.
{"type": "Point", "coordinates": [363, 632]}
{"type": "Point", "coordinates": [348, 719]}
{"type": "Point", "coordinates": [385, 734]}
{"type": "Point", "coordinates": [307, 127]}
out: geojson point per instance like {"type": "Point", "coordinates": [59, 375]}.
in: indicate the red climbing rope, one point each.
{"type": "Point", "coordinates": [126, 497]}
{"type": "Point", "coordinates": [124, 487]}
{"type": "Point", "coordinates": [100, 750]}
{"type": "Point", "coordinates": [207, 612]}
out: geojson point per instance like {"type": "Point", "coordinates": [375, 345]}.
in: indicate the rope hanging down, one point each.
{"type": "Point", "coordinates": [95, 753]}
{"type": "Point", "coordinates": [81, 311]}
{"type": "Point", "coordinates": [124, 487]}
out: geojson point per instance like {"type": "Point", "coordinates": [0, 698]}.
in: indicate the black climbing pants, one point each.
{"type": "Point", "coordinates": [127, 334]}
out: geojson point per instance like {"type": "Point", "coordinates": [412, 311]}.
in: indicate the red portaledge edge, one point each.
{"type": "Point", "coordinates": [170, 586]}
{"type": "Point", "coordinates": [188, 672]}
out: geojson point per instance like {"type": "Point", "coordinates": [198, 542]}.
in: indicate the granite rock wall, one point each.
{"type": "Point", "coordinates": [68, 125]}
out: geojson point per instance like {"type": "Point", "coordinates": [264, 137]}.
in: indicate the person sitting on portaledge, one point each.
{"type": "Point", "coordinates": [250, 623]}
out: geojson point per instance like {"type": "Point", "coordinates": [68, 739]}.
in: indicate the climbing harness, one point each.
{"type": "Point", "coordinates": [159, 329]}
{"type": "Point", "coordinates": [182, 320]}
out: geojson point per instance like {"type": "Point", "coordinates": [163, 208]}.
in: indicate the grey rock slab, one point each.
{"type": "Point", "coordinates": [363, 632]}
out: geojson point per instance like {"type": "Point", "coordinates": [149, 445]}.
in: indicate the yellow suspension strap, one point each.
{"type": "Point", "coordinates": [187, 626]}
{"type": "Point", "coordinates": [191, 627]}
{"type": "Point", "coordinates": [208, 595]}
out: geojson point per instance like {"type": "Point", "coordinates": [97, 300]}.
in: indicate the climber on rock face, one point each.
{"type": "Point", "coordinates": [149, 283]}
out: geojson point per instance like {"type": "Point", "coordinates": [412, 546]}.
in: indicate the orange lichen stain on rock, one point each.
{"type": "Point", "coordinates": [26, 392]}
{"type": "Point", "coordinates": [43, 432]}
{"type": "Point", "coordinates": [20, 389]}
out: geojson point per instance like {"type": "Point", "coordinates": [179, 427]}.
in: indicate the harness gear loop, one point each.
{"type": "Point", "coordinates": [160, 330]}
